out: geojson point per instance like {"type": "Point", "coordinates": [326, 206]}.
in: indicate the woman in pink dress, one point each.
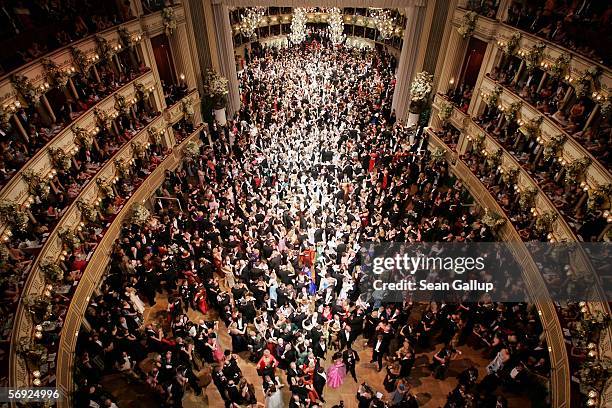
{"type": "Point", "coordinates": [336, 372]}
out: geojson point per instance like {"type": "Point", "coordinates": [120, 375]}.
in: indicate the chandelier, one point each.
{"type": "Point", "coordinates": [336, 26]}
{"type": "Point", "coordinates": [383, 21]}
{"type": "Point", "coordinates": [298, 25]}
{"type": "Point", "coordinates": [250, 21]}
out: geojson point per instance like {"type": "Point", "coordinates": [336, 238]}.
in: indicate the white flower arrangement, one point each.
{"type": "Point", "coordinates": [420, 89]}
{"type": "Point", "coordinates": [215, 87]}
{"type": "Point", "coordinates": [469, 24]}
{"type": "Point", "coordinates": [169, 20]}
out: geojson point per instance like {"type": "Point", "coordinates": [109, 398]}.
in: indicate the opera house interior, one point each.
{"type": "Point", "coordinates": [284, 203]}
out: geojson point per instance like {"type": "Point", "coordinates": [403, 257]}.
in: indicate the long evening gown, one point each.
{"type": "Point", "coordinates": [336, 374]}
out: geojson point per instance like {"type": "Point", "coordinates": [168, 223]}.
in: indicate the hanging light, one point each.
{"type": "Point", "coordinates": [383, 21]}
{"type": "Point", "coordinates": [336, 26]}
{"type": "Point", "coordinates": [250, 21]}
{"type": "Point", "coordinates": [298, 25]}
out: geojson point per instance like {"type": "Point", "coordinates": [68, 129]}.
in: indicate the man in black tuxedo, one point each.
{"type": "Point", "coordinates": [320, 349]}
{"type": "Point", "coordinates": [350, 358]}
{"type": "Point", "coordinates": [319, 381]}
{"type": "Point", "coordinates": [381, 347]}
{"type": "Point", "coordinates": [346, 337]}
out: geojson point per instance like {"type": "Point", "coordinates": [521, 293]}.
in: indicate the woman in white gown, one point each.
{"type": "Point", "coordinates": [274, 397]}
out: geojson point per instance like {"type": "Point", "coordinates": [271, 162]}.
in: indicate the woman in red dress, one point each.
{"type": "Point", "coordinates": [267, 364]}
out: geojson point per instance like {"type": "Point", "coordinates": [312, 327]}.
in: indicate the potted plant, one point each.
{"type": "Point", "coordinates": [216, 90]}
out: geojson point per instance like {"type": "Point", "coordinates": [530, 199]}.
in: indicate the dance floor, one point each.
{"type": "Point", "coordinates": [429, 391]}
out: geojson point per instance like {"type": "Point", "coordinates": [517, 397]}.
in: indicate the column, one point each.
{"type": "Point", "coordinates": [227, 61]}
{"type": "Point", "coordinates": [452, 63]}
{"type": "Point", "coordinates": [415, 16]}
{"type": "Point", "coordinates": [179, 42]}
{"type": "Point", "coordinates": [149, 59]}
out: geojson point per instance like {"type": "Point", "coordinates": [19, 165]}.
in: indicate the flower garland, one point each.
{"type": "Point", "coordinates": [215, 87]}
{"type": "Point", "coordinates": [53, 272]}
{"type": "Point", "coordinates": [599, 196]}
{"type": "Point", "coordinates": [527, 197]}
{"type": "Point", "coordinates": [187, 108]}
{"type": "Point", "coordinates": [493, 160]}
{"type": "Point", "coordinates": [106, 189]}
{"type": "Point", "coordinates": [155, 135]}
{"type": "Point", "coordinates": [574, 171]}
{"type": "Point", "coordinates": [191, 149]}
{"type": "Point", "coordinates": [24, 87]}
{"type": "Point", "coordinates": [534, 56]}
{"type": "Point", "coordinates": [420, 89]}
{"type": "Point", "coordinates": [31, 350]}
{"type": "Point", "coordinates": [37, 185]}
{"type": "Point", "coordinates": [493, 220]}
{"type": "Point", "coordinates": [587, 81]}
{"type": "Point", "coordinates": [80, 60]}
{"type": "Point", "coordinates": [140, 149]}
{"type": "Point", "coordinates": [438, 156]}
{"type": "Point", "coordinates": [532, 127]}
{"type": "Point", "coordinates": [5, 117]}
{"type": "Point", "coordinates": [511, 114]}
{"type": "Point", "coordinates": [446, 110]}
{"type": "Point", "coordinates": [123, 166]}
{"type": "Point", "coordinates": [544, 222]}
{"type": "Point", "coordinates": [13, 216]}
{"type": "Point", "coordinates": [469, 24]}
{"type": "Point", "coordinates": [56, 76]}
{"type": "Point", "coordinates": [142, 92]}
{"type": "Point", "coordinates": [60, 159]}
{"type": "Point", "coordinates": [169, 20]}
{"type": "Point", "coordinates": [104, 48]}
{"type": "Point", "coordinates": [559, 67]}
{"type": "Point", "coordinates": [492, 98]}
{"type": "Point", "coordinates": [38, 306]}
{"type": "Point", "coordinates": [509, 176]}
{"type": "Point", "coordinates": [104, 119]}
{"type": "Point", "coordinates": [82, 137]}
{"type": "Point", "coordinates": [552, 147]}
{"type": "Point", "coordinates": [69, 238]}
{"type": "Point", "coordinates": [605, 106]}
{"type": "Point", "coordinates": [140, 214]}
{"type": "Point", "coordinates": [510, 47]}
{"type": "Point", "coordinates": [88, 211]}
{"type": "Point", "coordinates": [477, 143]}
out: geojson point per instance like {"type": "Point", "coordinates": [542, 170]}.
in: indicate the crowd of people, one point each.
{"type": "Point", "coordinates": [583, 26]}
{"type": "Point", "coordinates": [32, 127]}
{"type": "Point", "coordinates": [260, 235]}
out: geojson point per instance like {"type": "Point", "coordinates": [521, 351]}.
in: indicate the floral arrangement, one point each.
{"type": "Point", "coordinates": [532, 127]}
{"type": "Point", "coordinates": [127, 39]}
{"type": "Point", "coordinates": [552, 147]}
{"type": "Point", "coordinates": [142, 92]}
{"type": "Point", "coordinates": [215, 87]}
{"type": "Point", "coordinates": [574, 171]}
{"type": "Point", "coordinates": [13, 216]}
{"type": "Point", "coordinates": [534, 56]}
{"type": "Point", "coordinates": [493, 220]}
{"type": "Point", "coordinates": [60, 159]}
{"type": "Point", "coordinates": [587, 81]}
{"type": "Point", "coordinates": [31, 350]}
{"type": "Point", "coordinates": [493, 98]}
{"type": "Point", "coordinates": [187, 108]}
{"type": "Point", "coordinates": [559, 67]}
{"type": "Point", "coordinates": [599, 196]}
{"type": "Point", "coordinates": [106, 189]}
{"type": "Point", "coordinates": [5, 117]}
{"type": "Point", "coordinates": [494, 159]}
{"type": "Point", "coordinates": [155, 135]}
{"type": "Point", "coordinates": [468, 25]}
{"type": "Point", "coordinates": [511, 114]}
{"type": "Point", "coordinates": [54, 74]}
{"type": "Point", "coordinates": [510, 47]}
{"type": "Point", "coordinates": [478, 143]}
{"type": "Point", "coordinates": [140, 214]}
{"type": "Point", "coordinates": [88, 212]}
{"type": "Point", "coordinates": [605, 106]}
{"type": "Point", "coordinates": [123, 166]}
{"type": "Point", "coordinates": [510, 176]}
{"type": "Point", "coordinates": [121, 104]}
{"type": "Point", "coordinates": [104, 48]}
{"type": "Point", "coordinates": [437, 156]}
{"type": "Point", "coordinates": [38, 306]}
{"type": "Point", "coordinates": [37, 185]}
{"type": "Point", "coordinates": [191, 149]}
{"type": "Point", "coordinates": [169, 20]}
{"type": "Point", "coordinates": [82, 137]}
{"type": "Point", "coordinates": [420, 89]}
{"type": "Point", "coordinates": [544, 222]}
{"type": "Point", "coordinates": [104, 119]}
{"type": "Point", "coordinates": [24, 87]}
{"type": "Point", "coordinates": [69, 238]}
{"type": "Point", "coordinates": [139, 149]}
{"type": "Point", "coordinates": [527, 197]}
{"type": "Point", "coordinates": [53, 272]}
{"type": "Point", "coordinates": [593, 374]}
{"type": "Point", "coordinates": [80, 60]}
{"type": "Point", "coordinates": [446, 110]}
